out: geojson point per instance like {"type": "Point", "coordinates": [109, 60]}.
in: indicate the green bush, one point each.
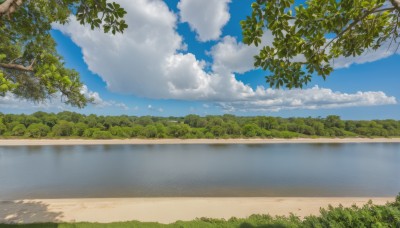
{"type": "Point", "coordinates": [3, 128]}
{"type": "Point", "coordinates": [37, 130]}
{"type": "Point", "coordinates": [89, 132]}
{"type": "Point", "coordinates": [209, 135]}
{"type": "Point", "coordinates": [19, 130]}
{"type": "Point", "coordinates": [102, 135]}
{"type": "Point", "coordinates": [251, 130]}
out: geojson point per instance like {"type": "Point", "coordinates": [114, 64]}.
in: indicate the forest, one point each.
{"type": "Point", "coordinates": [75, 125]}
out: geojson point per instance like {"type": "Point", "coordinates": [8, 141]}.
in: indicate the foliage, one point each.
{"type": "Point", "coordinates": [30, 66]}
{"type": "Point", "coordinates": [101, 135]}
{"type": "Point", "coordinates": [308, 37]}
{"type": "Point", "coordinates": [70, 124]}
{"type": "Point", "coordinates": [18, 130]}
{"type": "Point", "coordinates": [368, 215]}
{"type": "Point", "coordinates": [37, 130]}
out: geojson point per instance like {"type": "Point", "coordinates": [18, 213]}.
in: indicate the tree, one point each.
{"type": "Point", "coordinates": [308, 37]}
{"type": "Point", "coordinates": [178, 130]}
{"type": "Point", "coordinates": [18, 130]}
{"type": "Point", "coordinates": [251, 130]}
{"type": "Point", "coordinates": [194, 121]}
{"type": "Point", "coordinates": [30, 66]}
{"type": "Point", "coordinates": [79, 129]}
{"type": "Point", "coordinates": [3, 127]}
{"type": "Point", "coordinates": [232, 128]}
{"type": "Point", "coordinates": [63, 128]}
{"type": "Point", "coordinates": [37, 130]}
{"type": "Point", "coordinates": [150, 131]}
{"type": "Point", "coordinates": [334, 121]}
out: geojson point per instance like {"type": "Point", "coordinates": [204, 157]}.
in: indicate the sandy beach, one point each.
{"type": "Point", "coordinates": [164, 210]}
{"type": "Point", "coordinates": [33, 142]}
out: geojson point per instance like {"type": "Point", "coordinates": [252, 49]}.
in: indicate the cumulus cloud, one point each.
{"type": "Point", "coordinates": [234, 56]}
{"type": "Point", "coordinates": [206, 18]}
{"type": "Point", "coordinates": [269, 100]}
{"type": "Point", "coordinates": [145, 61]}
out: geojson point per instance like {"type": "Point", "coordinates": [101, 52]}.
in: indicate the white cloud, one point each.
{"type": "Point", "coordinates": [207, 18]}
{"type": "Point", "coordinates": [269, 100]}
{"type": "Point", "coordinates": [232, 56]}
{"type": "Point", "coordinates": [10, 101]}
{"type": "Point", "coordinates": [96, 99]}
{"type": "Point", "coordinates": [145, 61]}
{"type": "Point", "coordinates": [236, 57]}
{"type": "Point", "coordinates": [56, 103]}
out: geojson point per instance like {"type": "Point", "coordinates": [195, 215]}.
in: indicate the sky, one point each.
{"type": "Point", "coordinates": [181, 57]}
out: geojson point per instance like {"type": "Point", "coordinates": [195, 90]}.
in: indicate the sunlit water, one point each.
{"type": "Point", "coordinates": [363, 169]}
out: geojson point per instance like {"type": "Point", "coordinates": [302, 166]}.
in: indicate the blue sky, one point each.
{"type": "Point", "coordinates": [185, 56]}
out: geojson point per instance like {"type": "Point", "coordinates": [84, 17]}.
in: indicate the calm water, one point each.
{"type": "Point", "coordinates": [200, 170]}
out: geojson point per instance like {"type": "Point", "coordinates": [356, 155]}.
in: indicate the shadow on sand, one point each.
{"type": "Point", "coordinates": [14, 212]}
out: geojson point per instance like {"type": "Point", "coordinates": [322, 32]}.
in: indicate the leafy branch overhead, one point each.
{"type": "Point", "coordinates": [30, 66]}
{"type": "Point", "coordinates": [307, 38]}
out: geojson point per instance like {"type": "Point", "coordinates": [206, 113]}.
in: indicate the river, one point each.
{"type": "Point", "coordinates": [200, 170]}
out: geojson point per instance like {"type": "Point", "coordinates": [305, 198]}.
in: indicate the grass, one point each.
{"type": "Point", "coordinates": [252, 221]}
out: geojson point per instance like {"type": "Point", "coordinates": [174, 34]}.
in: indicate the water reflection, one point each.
{"type": "Point", "coordinates": [199, 170]}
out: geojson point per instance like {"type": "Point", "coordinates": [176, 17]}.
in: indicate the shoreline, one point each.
{"type": "Point", "coordinates": [167, 210]}
{"type": "Point", "coordinates": [45, 142]}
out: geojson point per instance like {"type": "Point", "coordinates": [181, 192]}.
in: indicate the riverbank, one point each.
{"type": "Point", "coordinates": [33, 142]}
{"type": "Point", "coordinates": [165, 210]}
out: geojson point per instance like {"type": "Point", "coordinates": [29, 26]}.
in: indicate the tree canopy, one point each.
{"type": "Point", "coordinates": [71, 124]}
{"type": "Point", "coordinates": [308, 37]}
{"type": "Point", "coordinates": [30, 66]}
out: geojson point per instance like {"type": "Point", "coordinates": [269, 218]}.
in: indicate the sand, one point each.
{"type": "Point", "coordinates": [32, 142]}
{"type": "Point", "coordinates": [164, 210]}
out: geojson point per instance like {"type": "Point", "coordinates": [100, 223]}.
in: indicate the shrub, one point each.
{"type": "Point", "coordinates": [89, 132]}
{"type": "Point", "coordinates": [37, 130]}
{"type": "Point", "coordinates": [19, 130]}
{"type": "Point", "coordinates": [102, 135]}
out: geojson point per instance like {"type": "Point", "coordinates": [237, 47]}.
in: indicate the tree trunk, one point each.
{"type": "Point", "coordinates": [9, 6]}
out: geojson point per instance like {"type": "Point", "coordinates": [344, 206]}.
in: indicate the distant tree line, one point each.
{"type": "Point", "coordinates": [75, 125]}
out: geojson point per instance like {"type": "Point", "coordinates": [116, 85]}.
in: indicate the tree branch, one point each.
{"type": "Point", "coordinates": [16, 67]}
{"type": "Point", "coordinates": [396, 4]}
{"type": "Point", "coordinates": [375, 11]}
{"type": "Point", "coordinates": [33, 62]}
{"type": "Point", "coordinates": [9, 6]}
{"type": "Point", "coordinates": [12, 61]}
{"type": "Point", "coordinates": [351, 25]}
